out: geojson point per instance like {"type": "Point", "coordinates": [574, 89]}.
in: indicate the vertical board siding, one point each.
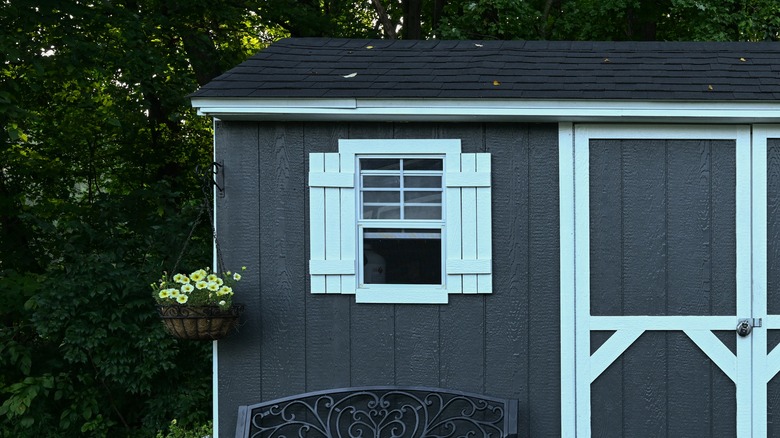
{"type": "Point", "coordinates": [506, 323]}
{"type": "Point", "coordinates": [689, 229]}
{"type": "Point", "coordinates": [505, 343]}
{"type": "Point", "coordinates": [662, 229]}
{"type": "Point", "coordinates": [282, 287]}
{"type": "Point", "coordinates": [644, 281]}
{"type": "Point", "coordinates": [773, 276]}
{"type": "Point", "coordinates": [328, 347]}
{"type": "Point", "coordinates": [688, 282]}
{"type": "Point", "coordinates": [543, 276]}
{"type": "Point", "coordinates": [238, 214]}
{"type": "Point", "coordinates": [606, 298]}
{"type": "Point", "coordinates": [723, 274]}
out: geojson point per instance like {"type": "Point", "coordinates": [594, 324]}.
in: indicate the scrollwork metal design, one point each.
{"type": "Point", "coordinates": [382, 412]}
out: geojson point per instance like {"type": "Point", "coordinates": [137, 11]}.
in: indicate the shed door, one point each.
{"type": "Point", "coordinates": [667, 227]}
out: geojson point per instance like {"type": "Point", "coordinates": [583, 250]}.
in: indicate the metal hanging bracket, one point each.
{"type": "Point", "coordinates": [215, 178]}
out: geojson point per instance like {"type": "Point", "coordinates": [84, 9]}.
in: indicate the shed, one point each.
{"type": "Point", "coordinates": [592, 228]}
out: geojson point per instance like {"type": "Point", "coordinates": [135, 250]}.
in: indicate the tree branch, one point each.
{"type": "Point", "coordinates": [384, 19]}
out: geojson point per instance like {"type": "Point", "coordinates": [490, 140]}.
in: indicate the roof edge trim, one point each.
{"type": "Point", "coordinates": [484, 110]}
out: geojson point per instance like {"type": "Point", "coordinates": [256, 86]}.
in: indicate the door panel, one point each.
{"type": "Point", "coordinates": [662, 227]}
{"type": "Point", "coordinates": [662, 242]}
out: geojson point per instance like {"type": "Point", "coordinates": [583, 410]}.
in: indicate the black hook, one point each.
{"type": "Point", "coordinates": [213, 178]}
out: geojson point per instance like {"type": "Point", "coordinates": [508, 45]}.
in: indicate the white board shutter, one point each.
{"type": "Point", "coordinates": [332, 223]}
{"type": "Point", "coordinates": [468, 223]}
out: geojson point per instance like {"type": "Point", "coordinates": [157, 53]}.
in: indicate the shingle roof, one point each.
{"type": "Point", "coordinates": [537, 70]}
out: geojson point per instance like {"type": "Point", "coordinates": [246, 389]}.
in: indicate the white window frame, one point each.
{"type": "Point", "coordinates": [336, 227]}
{"type": "Point", "coordinates": [439, 224]}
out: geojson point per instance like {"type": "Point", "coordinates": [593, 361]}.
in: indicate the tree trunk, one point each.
{"type": "Point", "coordinates": [387, 25]}
{"type": "Point", "coordinates": [438, 12]}
{"type": "Point", "coordinates": [412, 19]}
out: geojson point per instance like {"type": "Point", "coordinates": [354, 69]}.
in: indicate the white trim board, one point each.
{"type": "Point", "coordinates": [567, 262]}
{"type": "Point", "coordinates": [215, 268]}
{"type": "Point", "coordinates": [487, 110]}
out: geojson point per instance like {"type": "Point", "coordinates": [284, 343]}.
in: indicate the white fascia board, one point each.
{"type": "Point", "coordinates": [487, 110]}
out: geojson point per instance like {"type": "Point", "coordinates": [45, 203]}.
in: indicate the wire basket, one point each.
{"type": "Point", "coordinates": [200, 322]}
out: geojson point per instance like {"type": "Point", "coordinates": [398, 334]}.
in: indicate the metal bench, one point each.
{"type": "Point", "coordinates": [380, 412]}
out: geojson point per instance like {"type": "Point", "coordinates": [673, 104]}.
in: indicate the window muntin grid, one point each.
{"type": "Point", "coordinates": [401, 188]}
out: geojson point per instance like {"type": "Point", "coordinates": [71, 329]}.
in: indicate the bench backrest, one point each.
{"type": "Point", "coordinates": [380, 412]}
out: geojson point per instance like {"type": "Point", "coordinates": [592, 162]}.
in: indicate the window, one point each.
{"type": "Point", "coordinates": [400, 221]}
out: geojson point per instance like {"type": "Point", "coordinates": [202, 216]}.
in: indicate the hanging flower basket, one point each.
{"type": "Point", "coordinates": [199, 305]}
{"type": "Point", "coordinates": [200, 322]}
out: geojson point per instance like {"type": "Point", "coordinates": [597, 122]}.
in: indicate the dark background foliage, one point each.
{"type": "Point", "coordinates": [97, 182]}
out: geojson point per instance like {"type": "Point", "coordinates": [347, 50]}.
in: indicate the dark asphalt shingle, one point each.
{"type": "Point", "coordinates": [549, 70]}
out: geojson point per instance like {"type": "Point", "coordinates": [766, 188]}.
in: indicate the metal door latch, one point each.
{"type": "Point", "coordinates": [745, 325]}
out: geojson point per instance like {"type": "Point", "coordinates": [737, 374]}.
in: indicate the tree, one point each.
{"type": "Point", "coordinates": [97, 194]}
{"type": "Point", "coordinates": [613, 20]}
{"type": "Point", "coordinates": [96, 183]}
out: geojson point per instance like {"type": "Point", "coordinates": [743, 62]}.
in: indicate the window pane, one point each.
{"type": "Point", "coordinates": [380, 164]}
{"type": "Point", "coordinates": [422, 181]}
{"type": "Point", "coordinates": [381, 212]}
{"type": "Point", "coordinates": [381, 181]}
{"type": "Point", "coordinates": [422, 197]}
{"type": "Point", "coordinates": [422, 212]}
{"type": "Point", "coordinates": [422, 164]}
{"type": "Point", "coordinates": [400, 256]}
{"type": "Point", "coordinates": [382, 197]}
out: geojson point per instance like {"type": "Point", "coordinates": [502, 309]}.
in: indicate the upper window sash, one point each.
{"type": "Point", "coordinates": [401, 188]}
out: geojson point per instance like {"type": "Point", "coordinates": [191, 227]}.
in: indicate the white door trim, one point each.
{"type": "Point", "coordinates": [567, 262]}
{"type": "Point", "coordinates": [765, 364]}
{"type": "Point", "coordinates": [578, 366]}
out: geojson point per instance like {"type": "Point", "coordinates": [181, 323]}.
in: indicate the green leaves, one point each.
{"type": "Point", "coordinates": [89, 320]}
{"type": "Point", "coordinates": [96, 197]}
{"type": "Point", "coordinates": [20, 397]}
{"type": "Point", "coordinates": [612, 20]}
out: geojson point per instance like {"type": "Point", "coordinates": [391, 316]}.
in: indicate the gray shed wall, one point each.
{"type": "Point", "coordinates": [504, 344]}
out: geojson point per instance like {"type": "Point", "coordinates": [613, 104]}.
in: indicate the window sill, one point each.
{"type": "Point", "coordinates": [402, 294]}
